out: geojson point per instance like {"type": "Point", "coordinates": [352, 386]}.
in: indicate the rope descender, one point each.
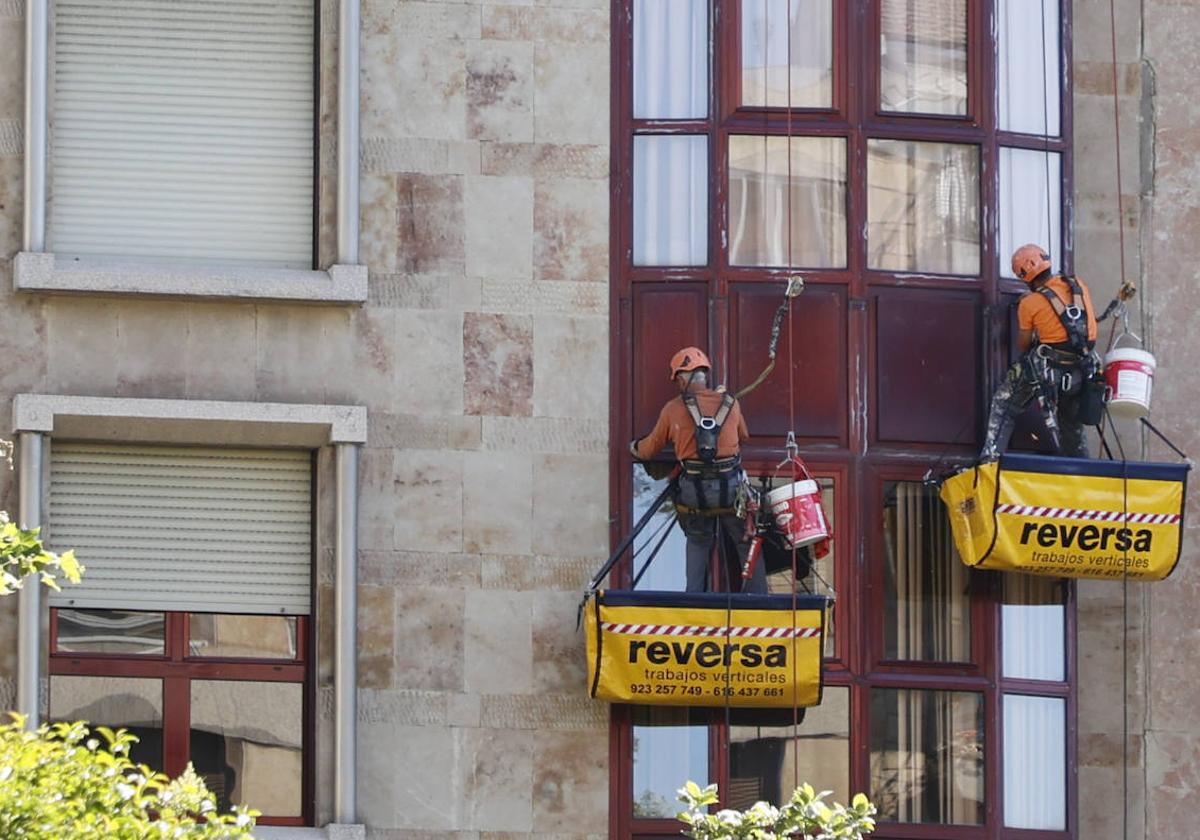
{"type": "Point", "coordinates": [795, 286]}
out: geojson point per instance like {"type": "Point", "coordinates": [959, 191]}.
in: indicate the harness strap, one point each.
{"type": "Point", "coordinates": [1073, 317]}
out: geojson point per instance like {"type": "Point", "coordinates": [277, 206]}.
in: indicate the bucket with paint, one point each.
{"type": "Point", "coordinates": [1129, 372]}
{"type": "Point", "coordinates": [798, 514]}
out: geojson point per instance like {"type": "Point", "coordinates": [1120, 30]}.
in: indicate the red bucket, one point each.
{"type": "Point", "coordinates": [797, 511]}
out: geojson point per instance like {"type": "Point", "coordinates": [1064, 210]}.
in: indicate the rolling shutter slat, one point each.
{"type": "Point", "coordinates": [176, 528]}
{"type": "Point", "coordinates": [184, 130]}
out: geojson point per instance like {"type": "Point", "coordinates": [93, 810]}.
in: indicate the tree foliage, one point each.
{"type": "Point", "coordinates": [805, 817]}
{"type": "Point", "coordinates": [23, 555]}
{"type": "Point", "coordinates": [65, 781]}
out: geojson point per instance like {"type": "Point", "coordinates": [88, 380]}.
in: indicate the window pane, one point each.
{"type": "Point", "coordinates": [1032, 621]}
{"type": "Point", "coordinates": [115, 702]}
{"type": "Point", "coordinates": [1029, 76]}
{"type": "Point", "coordinates": [249, 636]}
{"type": "Point", "coordinates": [1035, 770]}
{"type": "Point", "coordinates": [1027, 176]}
{"type": "Point", "coordinates": [923, 207]}
{"type": "Point", "coordinates": [765, 49]}
{"type": "Point", "coordinates": [110, 631]}
{"type": "Point", "coordinates": [923, 56]}
{"type": "Point", "coordinates": [668, 570]}
{"type": "Point", "coordinates": [767, 754]}
{"type": "Point", "coordinates": [927, 611]}
{"type": "Point", "coordinates": [670, 747]}
{"type": "Point", "coordinates": [760, 191]}
{"type": "Point", "coordinates": [820, 579]}
{"type": "Point", "coordinates": [670, 200]}
{"type": "Point", "coordinates": [927, 755]}
{"type": "Point", "coordinates": [246, 740]}
{"type": "Point", "coordinates": [670, 59]}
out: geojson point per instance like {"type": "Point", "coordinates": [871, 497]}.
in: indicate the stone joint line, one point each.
{"type": "Point", "coordinates": [1096, 515]}
{"type": "Point", "coordinates": [685, 630]}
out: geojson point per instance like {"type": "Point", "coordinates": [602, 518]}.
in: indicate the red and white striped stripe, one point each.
{"type": "Point", "coordinates": [1092, 515]}
{"type": "Point", "coordinates": [699, 630]}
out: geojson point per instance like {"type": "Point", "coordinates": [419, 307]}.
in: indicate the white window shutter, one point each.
{"type": "Point", "coordinates": [181, 528]}
{"type": "Point", "coordinates": [183, 129]}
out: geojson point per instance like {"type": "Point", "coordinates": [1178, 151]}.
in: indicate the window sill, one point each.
{"type": "Point", "coordinates": [44, 272]}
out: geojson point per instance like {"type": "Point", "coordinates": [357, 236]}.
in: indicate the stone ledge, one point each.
{"type": "Point", "coordinates": [189, 421]}
{"type": "Point", "coordinates": [46, 272]}
{"type": "Point", "coordinates": [333, 831]}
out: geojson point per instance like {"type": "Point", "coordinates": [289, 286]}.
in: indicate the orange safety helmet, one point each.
{"type": "Point", "coordinates": [1029, 261]}
{"type": "Point", "coordinates": [689, 358]}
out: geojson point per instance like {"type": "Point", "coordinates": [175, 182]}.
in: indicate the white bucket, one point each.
{"type": "Point", "coordinates": [797, 511]}
{"type": "Point", "coordinates": [1129, 373]}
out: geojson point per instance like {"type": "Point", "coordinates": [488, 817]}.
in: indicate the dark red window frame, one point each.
{"type": "Point", "coordinates": [176, 668]}
{"type": "Point", "coordinates": [863, 454]}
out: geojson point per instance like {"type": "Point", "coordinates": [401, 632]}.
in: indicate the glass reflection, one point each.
{"type": "Point", "coordinates": [110, 631]}
{"type": "Point", "coordinates": [670, 747]}
{"type": "Point", "coordinates": [767, 71]}
{"type": "Point", "coordinates": [763, 191]}
{"type": "Point", "coordinates": [927, 756]}
{"type": "Point", "coordinates": [923, 207]}
{"type": "Point", "coordinates": [118, 703]}
{"type": "Point", "coordinates": [246, 740]}
{"type": "Point", "coordinates": [1035, 768]}
{"type": "Point", "coordinates": [668, 570]}
{"type": "Point", "coordinates": [923, 56]}
{"type": "Point", "coordinates": [768, 753]}
{"type": "Point", "coordinates": [1033, 628]}
{"type": "Point", "coordinates": [927, 608]}
{"type": "Point", "coordinates": [242, 636]}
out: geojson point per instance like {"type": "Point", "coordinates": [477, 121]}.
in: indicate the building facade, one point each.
{"type": "Point", "coordinates": [324, 328]}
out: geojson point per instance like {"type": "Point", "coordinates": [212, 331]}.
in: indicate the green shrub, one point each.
{"type": "Point", "coordinates": [63, 781]}
{"type": "Point", "coordinates": [804, 817]}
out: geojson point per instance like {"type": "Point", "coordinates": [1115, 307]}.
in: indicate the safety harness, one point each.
{"type": "Point", "coordinates": [1073, 317]}
{"type": "Point", "coordinates": [709, 467]}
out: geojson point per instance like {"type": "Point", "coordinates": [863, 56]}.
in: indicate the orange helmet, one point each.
{"type": "Point", "coordinates": [1029, 261]}
{"type": "Point", "coordinates": [689, 358]}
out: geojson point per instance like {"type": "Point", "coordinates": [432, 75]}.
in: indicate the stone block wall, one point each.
{"type": "Point", "coordinates": [1138, 658]}
{"type": "Point", "coordinates": [482, 357]}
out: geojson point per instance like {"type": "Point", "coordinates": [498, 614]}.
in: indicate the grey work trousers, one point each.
{"type": "Point", "coordinates": [702, 533]}
{"type": "Point", "coordinates": [1017, 390]}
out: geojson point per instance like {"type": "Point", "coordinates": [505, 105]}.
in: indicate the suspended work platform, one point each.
{"type": "Point", "coordinates": [1069, 517]}
{"type": "Point", "coordinates": [705, 649]}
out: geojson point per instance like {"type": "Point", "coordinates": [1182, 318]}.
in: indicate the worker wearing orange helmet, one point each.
{"type": "Point", "coordinates": [707, 429]}
{"type": "Point", "coordinates": [1056, 333]}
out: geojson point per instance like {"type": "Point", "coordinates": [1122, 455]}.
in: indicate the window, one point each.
{"type": "Point", "coordinates": [192, 627]}
{"type": "Point", "coordinates": [892, 152]}
{"type": "Point", "coordinates": [171, 149]}
{"type": "Point", "coordinates": [183, 130]}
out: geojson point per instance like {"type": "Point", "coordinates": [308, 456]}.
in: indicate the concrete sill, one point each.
{"type": "Point", "coordinates": [44, 272]}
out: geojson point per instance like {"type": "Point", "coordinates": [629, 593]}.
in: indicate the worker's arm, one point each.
{"type": "Point", "coordinates": [1024, 340]}
{"type": "Point", "coordinates": [743, 432]}
{"type": "Point", "coordinates": [653, 443]}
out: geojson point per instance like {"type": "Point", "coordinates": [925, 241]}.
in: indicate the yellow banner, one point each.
{"type": "Point", "coordinates": [705, 649]}
{"type": "Point", "coordinates": [1069, 517]}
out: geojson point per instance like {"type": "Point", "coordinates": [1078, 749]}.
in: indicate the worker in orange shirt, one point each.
{"type": "Point", "coordinates": [706, 428]}
{"type": "Point", "coordinates": [1056, 333]}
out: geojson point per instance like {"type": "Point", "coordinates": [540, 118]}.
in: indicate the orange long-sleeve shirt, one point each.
{"type": "Point", "coordinates": [675, 426]}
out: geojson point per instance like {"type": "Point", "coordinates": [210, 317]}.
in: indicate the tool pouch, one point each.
{"type": "Point", "coordinates": [1091, 401]}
